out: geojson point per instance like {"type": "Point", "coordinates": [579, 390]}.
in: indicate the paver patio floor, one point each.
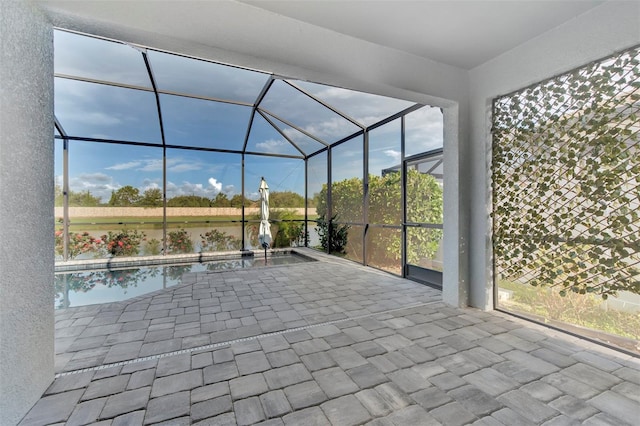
{"type": "Point", "coordinates": [326, 343]}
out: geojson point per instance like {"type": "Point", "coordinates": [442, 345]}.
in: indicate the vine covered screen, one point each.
{"type": "Point", "coordinates": [566, 199]}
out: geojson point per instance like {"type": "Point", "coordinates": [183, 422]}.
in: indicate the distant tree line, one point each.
{"type": "Point", "coordinates": [129, 196]}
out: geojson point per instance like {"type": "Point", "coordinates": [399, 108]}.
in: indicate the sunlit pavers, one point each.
{"type": "Point", "coordinates": [327, 356]}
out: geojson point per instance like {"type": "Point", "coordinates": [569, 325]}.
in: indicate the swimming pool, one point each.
{"type": "Point", "coordinates": [105, 285]}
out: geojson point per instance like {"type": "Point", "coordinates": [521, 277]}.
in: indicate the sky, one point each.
{"type": "Point", "coordinates": [104, 111]}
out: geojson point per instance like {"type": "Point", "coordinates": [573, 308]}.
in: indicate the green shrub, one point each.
{"type": "Point", "coordinates": [288, 232]}
{"type": "Point", "coordinates": [333, 237]}
{"type": "Point", "coordinates": [385, 207]}
{"type": "Point", "coordinates": [584, 310]}
{"type": "Point", "coordinates": [153, 247]}
{"type": "Point", "coordinates": [215, 240]}
{"type": "Point", "coordinates": [285, 230]}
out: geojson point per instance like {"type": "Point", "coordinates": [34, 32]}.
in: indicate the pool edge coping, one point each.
{"type": "Point", "coordinates": [123, 262]}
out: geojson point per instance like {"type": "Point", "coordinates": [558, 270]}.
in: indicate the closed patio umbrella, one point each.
{"type": "Point", "coordinates": [264, 236]}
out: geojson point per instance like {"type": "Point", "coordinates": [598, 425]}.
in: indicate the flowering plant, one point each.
{"type": "Point", "coordinates": [79, 242]}
{"type": "Point", "coordinates": [125, 242]}
{"type": "Point", "coordinates": [179, 242]}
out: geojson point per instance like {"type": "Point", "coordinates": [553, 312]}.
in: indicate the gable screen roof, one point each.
{"type": "Point", "coordinates": [111, 91]}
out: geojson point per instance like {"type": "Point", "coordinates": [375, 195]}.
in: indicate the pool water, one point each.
{"type": "Point", "coordinates": [90, 287]}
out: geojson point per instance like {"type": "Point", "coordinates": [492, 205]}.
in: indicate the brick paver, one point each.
{"type": "Point", "coordinates": [386, 351]}
{"type": "Point", "coordinates": [346, 411]}
{"type": "Point", "coordinates": [167, 407]}
{"type": "Point", "coordinates": [305, 395]}
{"type": "Point", "coordinates": [275, 404]}
{"type": "Point", "coordinates": [53, 408]}
{"type": "Point", "coordinates": [249, 411]}
{"type": "Point", "coordinates": [246, 386]}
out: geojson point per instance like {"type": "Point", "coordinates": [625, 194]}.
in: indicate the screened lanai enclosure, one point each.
{"type": "Point", "coordinates": [160, 154]}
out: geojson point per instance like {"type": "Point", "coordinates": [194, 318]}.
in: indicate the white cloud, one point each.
{"type": "Point", "coordinates": [175, 165]}
{"type": "Point", "coordinates": [364, 107]}
{"type": "Point", "coordinates": [332, 129]}
{"type": "Point", "coordinates": [149, 184]}
{"type": "Point", "coordinates": [193, 188]}
{"type": "Point", "coordinates": [215, 184]}
{"type": "Point", "coordinates": [99, 184]}
{"type": "Point", "coordinates": [424, 130]}
{"type": "Point", "coordinates": [124, 166]}
{"type": "Point", "coordinates": [335, 93]}
{"type": "Point", "coordinates": [209, 190]}
{"type": "Point", "coordinates": [395, 155]}
{"type": "Point", "coordinates": [171, 187]}
{"type": "Point", "coordinates": [370, 118]}
{"type": "Point", "coordinates": [272, 145]}
{"type": "Point", "coordinates": [98, 119]}
{"type": "Point", "coordinates": [151, 165]}
{"type": "Point", "coordinates": [184, 167]}
{"type": "Point", "coordinates": [291, 133]}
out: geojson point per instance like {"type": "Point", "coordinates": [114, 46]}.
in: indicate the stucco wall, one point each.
{"type": "Point", "coordinates": [26, 214]}
{"type": "Point", "coordinates": [600, 32]}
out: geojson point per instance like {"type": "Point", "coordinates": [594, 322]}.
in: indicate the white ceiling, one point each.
{"type": "Point", "coordinates": [464, 34]}
{"type": "Point", "coordinates": [459, 33]}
